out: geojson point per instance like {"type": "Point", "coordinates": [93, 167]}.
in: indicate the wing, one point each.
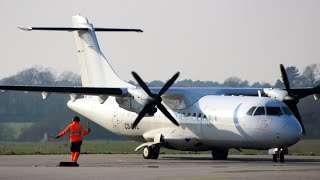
{"type": "Point", "coordinates": [303, 92]}
{"type": "Point", "coordinates": [67, 90]}
{"type": "Point", "coordinates": [73, 91]}
{"type": "Point", "coordinates": [179, 98]}
{"type": "Point", "coordinates": [175, 98]}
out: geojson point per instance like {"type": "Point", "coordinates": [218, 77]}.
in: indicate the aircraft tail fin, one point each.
{"type": "Point", "coordinates": [94, 68]}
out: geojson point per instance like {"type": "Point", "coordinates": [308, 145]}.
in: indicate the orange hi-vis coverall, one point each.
{"type": "Point", "coordinates": [76, 132]}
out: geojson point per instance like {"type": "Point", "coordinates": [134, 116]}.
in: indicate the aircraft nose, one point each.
{"type": "Point", "coordinates": [291, 132]}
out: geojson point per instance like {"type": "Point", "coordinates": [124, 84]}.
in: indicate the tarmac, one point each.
{"type": "Point", "coordinates": [134, 167]}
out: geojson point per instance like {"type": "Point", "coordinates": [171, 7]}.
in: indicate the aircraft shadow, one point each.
{"type": "Point", "coordinates": [240, 159]}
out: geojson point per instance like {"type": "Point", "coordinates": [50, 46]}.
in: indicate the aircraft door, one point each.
{"type": "Point", "coordinates": [116, 122]}
{"type": "Point", "coordinates": [208, 123]}
{"type": "Point", "coordinates": [196, 120]}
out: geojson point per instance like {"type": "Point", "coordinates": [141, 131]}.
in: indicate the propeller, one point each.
{"type": "Point", "coordinates": [154, 100]}
{"type": "Point", "coordinates": [291, 101]}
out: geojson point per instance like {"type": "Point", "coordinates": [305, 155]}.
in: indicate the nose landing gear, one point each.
{"type": "Point", "coordinates": [278, 153]}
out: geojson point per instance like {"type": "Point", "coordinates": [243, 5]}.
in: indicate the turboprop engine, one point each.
{"type": "Point", "coordinates": [276, 93]}
{"type": "Point", "coordinates": [136, 102]}
{"type": "Point", "coordinates": [290, 96]}
{"type": "Point", "coordinates": [145, 102]}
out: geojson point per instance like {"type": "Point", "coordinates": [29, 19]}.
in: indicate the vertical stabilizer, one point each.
{"type": "Point", "coordinates": [95, 69]}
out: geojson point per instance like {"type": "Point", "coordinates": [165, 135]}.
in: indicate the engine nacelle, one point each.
{"type": "Point", "coordinates": [276, 93]}
{"type": "Point", "coordinates": [129, 104]}
{"type": "Point", "coordinates": [136, 102]}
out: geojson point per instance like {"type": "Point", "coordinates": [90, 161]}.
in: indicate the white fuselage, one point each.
{"type": "Point", "coordinates": [213, 121]}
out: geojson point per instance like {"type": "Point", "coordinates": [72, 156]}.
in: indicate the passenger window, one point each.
{"type": "Point", "coordinates": [189, 114]}
{"type": "Point", "coordinates": [286, 111]}
{"type": "Point", "coordinates": [274, 111]}
{"type": "Point", "coordinates": [251, 110]}
{"type": "Point", "coordinates": [259, 111]}
{"type": "Point", "coordinates": [199, 116]}
{"type": "Point", "coordinates": [194, 116]}
{"type": "Point", "coordinates": [204, 116]}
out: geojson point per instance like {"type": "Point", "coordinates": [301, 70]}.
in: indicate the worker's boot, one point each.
{"type": "Point", "coordinates": [73, 154]}
{"type": "Point", "coordinates": [76, 156]}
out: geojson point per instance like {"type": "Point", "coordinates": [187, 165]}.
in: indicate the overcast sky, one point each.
{"type": "Point", "coordinates": [204, 40]}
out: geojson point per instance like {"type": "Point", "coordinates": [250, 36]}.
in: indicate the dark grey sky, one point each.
{"type": "Point", "coordinates": [204, 40]}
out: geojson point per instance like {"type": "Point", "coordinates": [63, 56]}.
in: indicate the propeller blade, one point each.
{"type": "Point", "coordinates": [169, 83]}
{"type": "Point", "coordinates": [141, 83]}
{"type": "Point", "coordinates": [155, 99]}
{"type": "Point", "coordinates": [285, 78]}
{"type": "Point", "coordinates": [143, 112]}
{"type": "Point", "coordinates": [295, 111]}
{"type": "Point", "coordinates": [167, 114]}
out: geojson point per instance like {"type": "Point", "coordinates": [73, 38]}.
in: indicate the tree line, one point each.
{"type": "Point", "coordinates": [309, 77]}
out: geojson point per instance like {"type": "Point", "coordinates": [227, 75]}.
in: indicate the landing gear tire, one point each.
{"type": "Point", "coordinates": [279, 154]}
{"type": "Point", "coordinates": [281, 157]}
{"type": "Point", "coordinates": [274, 158]}
{"type": "Point", "coordinates": [151, 152]}
{"type": "Point", "coordinates": [220, 154]}
{"type": "Point", "coordinates": [156, 152]}
{"type": "Point", "coordinates": [147, 152]}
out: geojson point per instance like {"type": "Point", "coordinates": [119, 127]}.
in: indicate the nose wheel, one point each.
{"type": "Point", "coordinates": [278, 153]}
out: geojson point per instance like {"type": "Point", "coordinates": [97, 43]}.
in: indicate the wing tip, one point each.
{"type": "Point", "coordinates": [25, 28]}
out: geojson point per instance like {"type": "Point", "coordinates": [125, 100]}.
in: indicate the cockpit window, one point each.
{"type": "Point", "coordinates": [286, 111]}
{"type": "Point", "coordinates": [274, 111]}
{"type": "Point", "coordinates": [259, 111]}
{"type": "Point", "coordinates": [251, 110]}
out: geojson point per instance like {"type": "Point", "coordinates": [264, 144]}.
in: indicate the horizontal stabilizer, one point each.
{"type": "Point", "coordinates": [53, 28]}
{"type": "Point", "coordinates": [77, 29]}
{"type": "Point", "coordinates": [118, 29]}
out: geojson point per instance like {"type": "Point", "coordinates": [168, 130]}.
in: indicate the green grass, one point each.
{"type": "Point", "coordinates": [17, 128]}
{"type": "Point", "coordinates": [11, 131]}
{"type": "Point", "coordinates": [305, 147]}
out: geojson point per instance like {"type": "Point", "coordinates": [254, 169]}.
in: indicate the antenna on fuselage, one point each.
{"type": "Point", "coordinates": [259, 94]}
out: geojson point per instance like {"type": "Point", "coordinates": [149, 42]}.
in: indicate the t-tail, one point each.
{"type": "Point", "coordinates": [94, 68]}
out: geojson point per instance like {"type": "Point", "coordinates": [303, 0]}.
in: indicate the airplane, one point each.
{"type": "Point", "coordinates": [186, 119]}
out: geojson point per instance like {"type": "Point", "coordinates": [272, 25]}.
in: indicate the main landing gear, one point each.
{"type": "Point", "coordinates": [278, 153]}
{"type": "Point", "coordinates": [220, 154]}
{"type": "Point", "coordinates": [151, 152]}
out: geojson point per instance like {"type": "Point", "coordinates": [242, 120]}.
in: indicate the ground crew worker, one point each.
{"type": "Point", "coordinates": [76, 132]}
